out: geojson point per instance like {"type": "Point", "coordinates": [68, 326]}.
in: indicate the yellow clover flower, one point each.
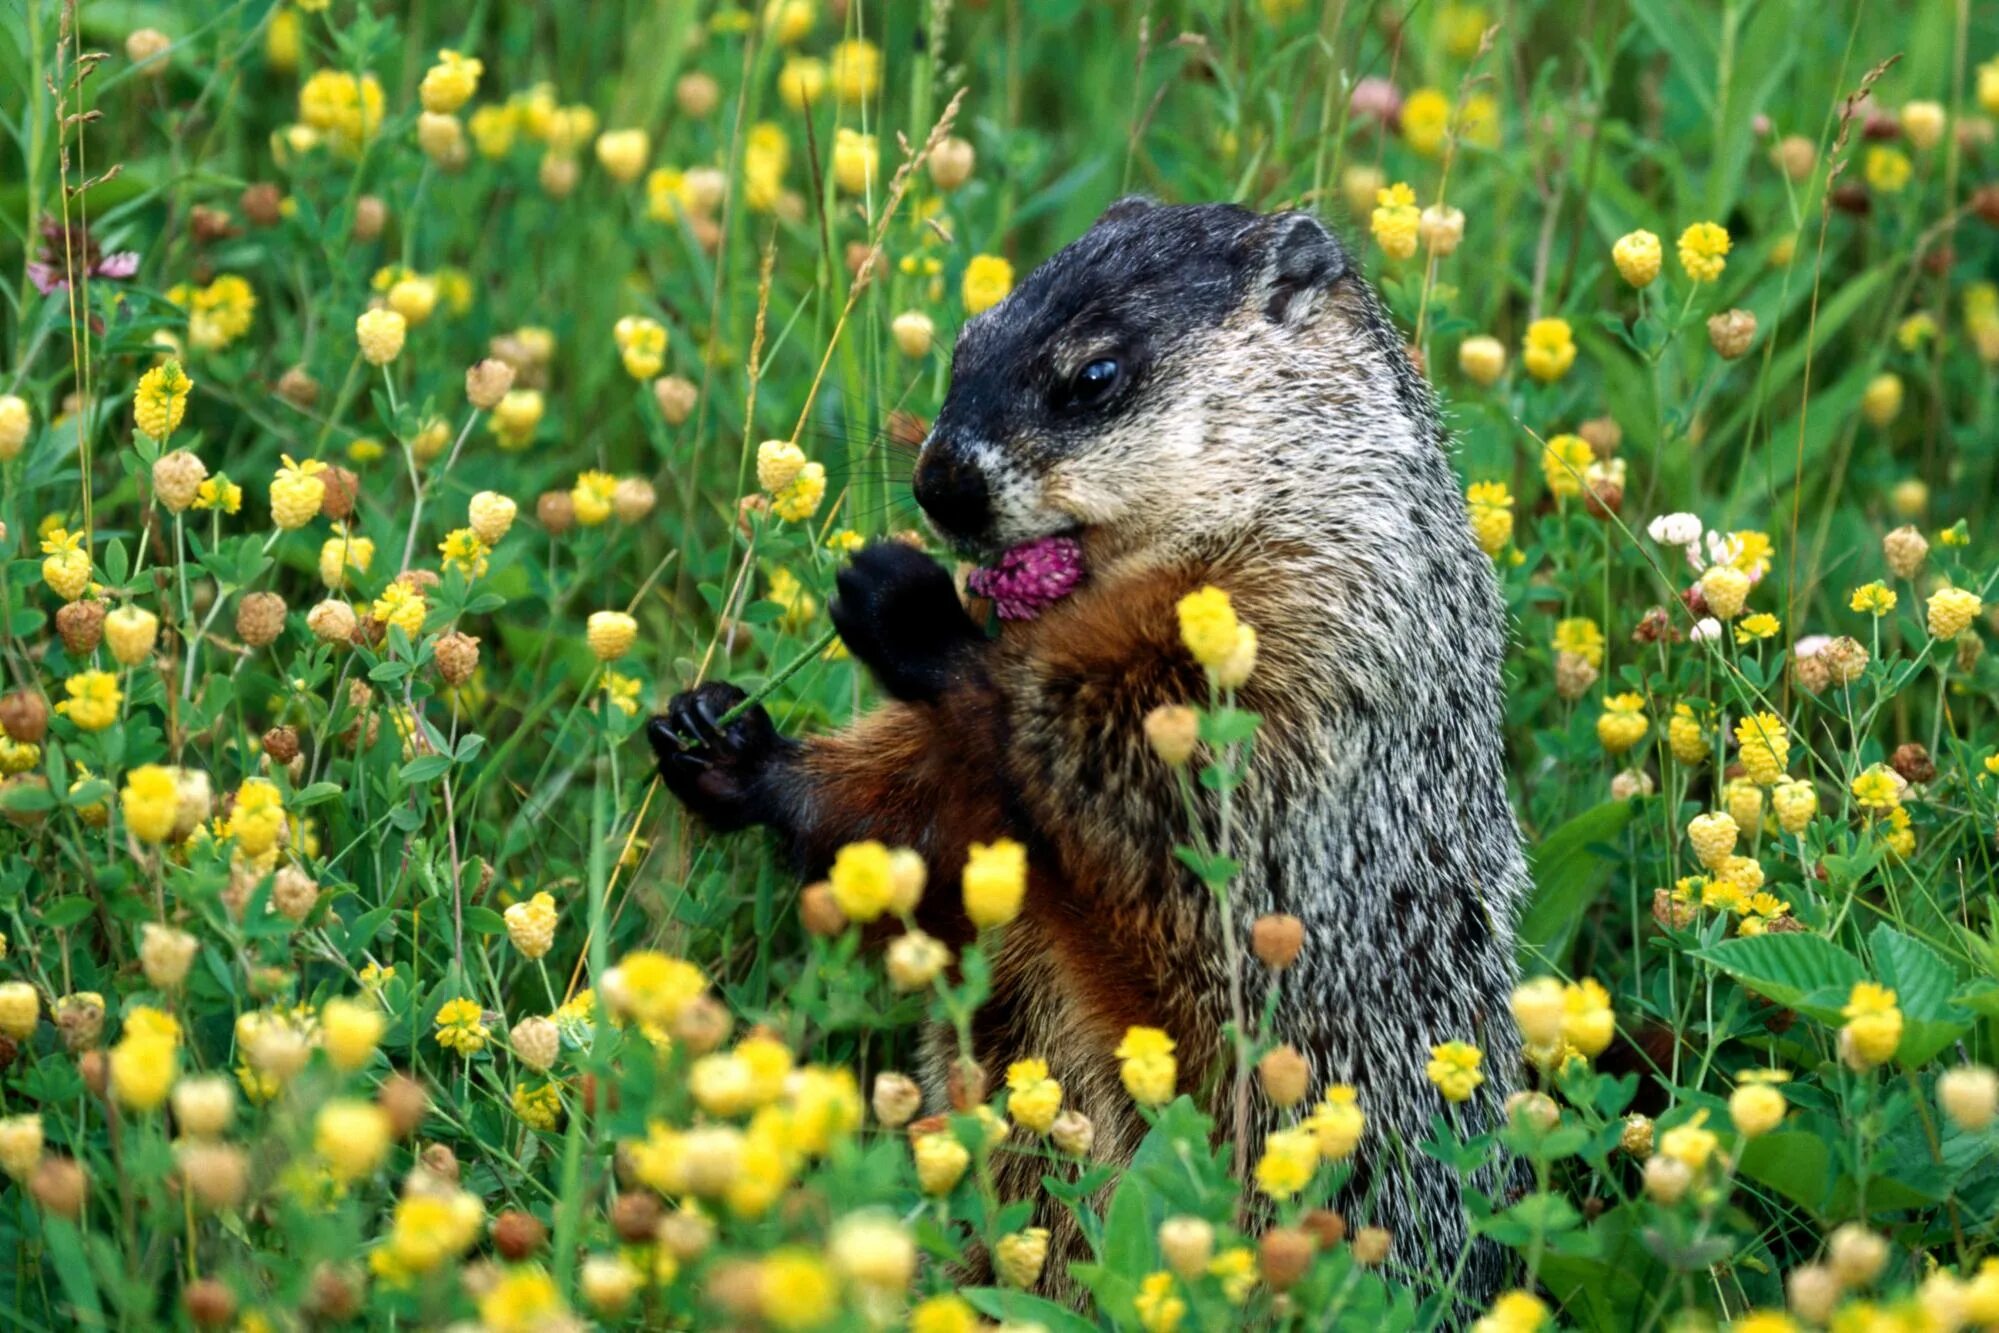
{"type": "Point", "coordinates": [1703, 251]}
{"type": "Point", "coordinates": [1454, 1068]}
{"type": "Point", "coordinates": [988, 279]}
{"type": "Point", "coordinates": [460, 1026]}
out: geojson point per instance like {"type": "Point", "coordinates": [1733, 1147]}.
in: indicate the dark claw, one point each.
{"type": "Point", "coordinates": [720, 773]}
{"type": "Point", "coordinates": [664, 739]}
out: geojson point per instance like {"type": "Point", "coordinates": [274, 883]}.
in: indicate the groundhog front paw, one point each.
{"type": "Point", "coordinates": [720, 772]}
{"type": "Point", "coordinates": [898, 611]}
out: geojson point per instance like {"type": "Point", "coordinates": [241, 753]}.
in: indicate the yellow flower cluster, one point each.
{"type": "Point", "coordinates": [297, 491]}
{"type": "Point", "coordinates": [1454, 1069]}
{"type": "Point", "coordinates": [256, 818]}
{"type": "Point", "coordinates": [1034, 1099]}
{"type": "Point", "coordinates": [65, 563]}
{"type": "Point", "coordinates": [856, 161]}
{"type": "Point", "coordinates": [1703, 251]}
{"type": "Point", "coordinates": [1425, 119]}
{"type": "Point", "coordinates": [988, 279]}
{"type": "Point", "coordinates": [1218, 640]}
{"type": "Point", "coordinates": [1951, 611]}
{"type": "Point", "coordinates": [463, 550]}
{"type": "Point", "coordinates": [531, 925]}
{"type": "Point", "coordinates": [1637, 256]}
{"type": "Point", "coordinates": [344, 107]}
{"type": "Point", "coordinates": [1565, 461]}
{"type": "Point", "coordinates": [145, 1060]}
{"type": "Point", "coordinates": [402, 606]}
{"type": "Point", "coordinates": [450, 83]}
{"type": "Point", "coordinates": [1873, 1027]}
{"type": "Point", "coordinates": [160, 401]}
{"type": "Point", "coordinates": [218, 313]}
{"type": "Point", "coordinates": [150, 802]}
{"type": "Point", "coordinates": [461, 1026]}
{"type": "Point", "coordinates": [1562, 1021]}
{"type": "Point", "coordinates": [1148, 1068]}
{"type": "Point", "coordinates": [799, 498]}
{"type": "Point", "coordinates": [1764, 747]}
{"type": "Point", "coordinates": [1290, 1157]}
{"type": "Point", "coordinates": [342, 552]}
{"type": "Point", "coordinates": [380, 332]}
{"type": "Point", "coordinates": [93, 699]}
{"type": "Point", "coordinates": [641, 345]}
{"type": "Point", "coordinates": [515, 418]}
{"type": "Point", "coordinates": [795, 1115]}
{"type": "Point", "coordinates": [994, 882]}
{"type": "Point", "coordinates": [1549, 349]}
{"type": "Point", "coordinates": [653, 987]}
{"type": "Point", "coordinates": [610, 634]}
{"type": "Point", "coordinates": [1623, 723]}
{"type": "Point", "coordinates": [428, 1229]}
{"type": "Point", "coordinates": [1395, 220]}
{"type": "Point", "coordinates": [1491, 505]}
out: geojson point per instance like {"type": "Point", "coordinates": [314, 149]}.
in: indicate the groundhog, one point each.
{"type": "Point", "coordinates": [1198, 395]}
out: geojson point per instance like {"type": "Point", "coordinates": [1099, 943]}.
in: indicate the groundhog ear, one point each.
{"type": "Point", "coordinates": [1294, 258]}
{"type": "Point", "coordinates": [1128, 207]}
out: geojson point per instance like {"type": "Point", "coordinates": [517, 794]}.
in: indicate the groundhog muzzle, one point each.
{"type": "Point", "coordinates": [1195, 396]}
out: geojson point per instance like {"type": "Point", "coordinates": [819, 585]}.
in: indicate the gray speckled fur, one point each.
{"type": "Point", "coordinates": [1280, 439]}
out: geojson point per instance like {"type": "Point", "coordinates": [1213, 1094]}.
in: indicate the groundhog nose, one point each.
{"type": "Point", "coordinates": [953, 492]}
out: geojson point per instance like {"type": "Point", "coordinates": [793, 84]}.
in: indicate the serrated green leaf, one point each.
{"type": "Point", "coordinates": [1789, 968]}
{"type": "Point", "coordinates": [1923, 984]}
{"type": "Point", "coordinates": [1922, 981]}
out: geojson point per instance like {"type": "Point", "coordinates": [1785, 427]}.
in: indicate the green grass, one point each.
{"type": "Point", "coordinates": [424, 811]}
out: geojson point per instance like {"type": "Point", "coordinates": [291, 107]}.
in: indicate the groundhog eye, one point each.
{"type": "Point", "coordinates": [1092, 384]}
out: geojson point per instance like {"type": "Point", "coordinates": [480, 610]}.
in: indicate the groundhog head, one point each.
{"type": "Point", "coordinates": [1143, 382]}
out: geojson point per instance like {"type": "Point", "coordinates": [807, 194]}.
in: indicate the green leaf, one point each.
{"type": "Point", "coordinates": [1795, 1163]}
{"type": "Point", "coordinates": [1225, 726]}
{"type": "Point", "coordinates": [485, 921]}
{"type": "Point", "coordinates": [73, 1268]}
{"type": "Point", "coordinates": [1606, 1289]}
{"type": "Point", "coordinates": [425, 768]}
{"type": "Point", "coordinates": [1019, 1308]}
{"type": "Point", "coordinates": [1922, 981]}
{"type": "Point", "coordinates": [316, 794]}
{"type": "Point", "coordinates": [1568, 872]}
{"type": "Point", "coordinates": [364, 929]}
{"type": "Point", "coordinates": [1980, 997]}
{"type": "Point", "coordinates": [1538, 1215]}
{"type": "Point", "coordinates": [1788, 968]}
{"type": "Point", "coordinates": [27, 797]}
{"type": "Point", "coordinates": [1687, 40]}
{"type": "Point", "coordinates": [1923, 984]}
{"type": "Point", "coordinates": [117, 562]}
{"type": "Point", "coordinates": [66, 912]}
{"type": "Point", "coordinates": [1217, 869]}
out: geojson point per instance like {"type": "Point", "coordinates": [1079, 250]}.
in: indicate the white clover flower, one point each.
{"type": "Point", "coordinates": [1810, 646]}
{"type": "Point", "coordinates": [1707, 629]}
{"type": "Point", "coordinates": [1721, 549]}
{"type": "Point", "coordinates": [1675, 529]}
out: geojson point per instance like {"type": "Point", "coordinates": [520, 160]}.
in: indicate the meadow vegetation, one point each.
{"type": "Point", "coordinates": [398, 403]}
